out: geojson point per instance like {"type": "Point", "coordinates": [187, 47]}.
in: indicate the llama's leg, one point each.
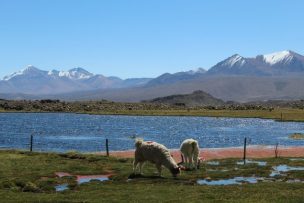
{"type": "Point", "coordinates": [196, 161]}
{"type": "Point", "coordinates": [141, 164]}
{"type": "Point", "coordinates": [159, 168]}
{"type": "Point", "coordinates": [195, 158]}
{"type": "Point", "coordinates": [135, 163]}
{"type": "Point", "coordinates": [186, 161]}
{"type": "Point", "coordinates": [190, 162]}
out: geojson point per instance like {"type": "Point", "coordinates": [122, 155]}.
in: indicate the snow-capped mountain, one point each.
{"type": "Point", "coordinates": [282, 75]}
{"type": "Point", "coordinates": [30, 70]}
{"type": "Point", "coordinates": [234, 60]}
{"type": "Point", "coordinates": [32, 80]}
{"type": "Point", "coordinates": [278, 57]}
{"type": "Point", "coordinates": [278, 63]}
{"type": "Point", "coordinates": [76, 74]}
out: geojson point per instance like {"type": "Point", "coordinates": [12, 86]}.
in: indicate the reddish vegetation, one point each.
{"type": "Point", "coordinates": [79, 177]}
{"type": "Point", "coordinates": [64, 174]}
{"type": "Point", "coordinates": [221, 153]}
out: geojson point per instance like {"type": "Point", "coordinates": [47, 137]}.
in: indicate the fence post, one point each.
{"type": "Point", "coordinates": [31, 143]}
{"type": "Point", "coordinates": [276, 150]}
{"type": "Point", "coordinates": [245, 140]}
{"type": "Point", "coordinates": [107, 147]}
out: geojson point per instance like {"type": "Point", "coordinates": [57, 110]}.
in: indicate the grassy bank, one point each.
{"type": "Point", "coordinates": [277, 114]}
{"type": "Point", "coordinates": [29, 177]}
{"type": "Point", "coordinates": [280, 114]}
{"type": "Point", "coordinates": [293, 111]}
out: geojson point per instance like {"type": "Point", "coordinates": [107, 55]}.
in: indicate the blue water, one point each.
{"type": "Point", "coordinates": [87, 180]}
{"type": "Point", "coordinates": [65, 186]}
{"type": "Point", "coordinates": [62, 187]}
{"type": "Point", "coordinates": [87, 133]}
{"type": "Point", "coordinates": [277, 170]}
{"type": "Point", "coordinates": [259, 163]}
{"type": "Point", "coordinates": [231, 181]}
{"type": "Point", "coordinates": [213, 163]}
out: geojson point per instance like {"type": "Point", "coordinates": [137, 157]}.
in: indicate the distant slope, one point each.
{"type": "Point", "coordinates": [168, 78]}
{"type": "Point", "coordinates": [241, 89]}
{"type": "Point", "coordinates": [197, 98]}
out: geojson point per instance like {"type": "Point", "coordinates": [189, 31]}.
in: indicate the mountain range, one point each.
{"type": "Point", "coordinates": [275, 64]}
{"type": "Point", "coordinates": [32, 80]}
{"type": "Point", "coordinates": [272, 76]}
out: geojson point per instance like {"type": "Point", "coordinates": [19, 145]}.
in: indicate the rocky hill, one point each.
{"type": "Point", "coordinates": [197, 98]}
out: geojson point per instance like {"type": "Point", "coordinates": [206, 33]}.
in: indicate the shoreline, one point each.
{"type": "Point", "coordinates": [252, 151]}
{"type": "Point", "coordinates": [211, 115]}
{"type": "Point", "coordinates": [255, 151]}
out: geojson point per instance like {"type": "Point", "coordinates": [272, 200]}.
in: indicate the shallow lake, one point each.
{"type": "Point", "coordinates": [87, 133]}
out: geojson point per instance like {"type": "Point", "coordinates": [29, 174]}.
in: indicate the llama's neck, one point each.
{"type": "Point", "coordinates": [169, 163]}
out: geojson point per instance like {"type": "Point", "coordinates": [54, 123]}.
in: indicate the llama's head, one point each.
{"type": "Point", "coordinates": [199, 160]}
{"type": "Point", "coordinates": [175, 171]}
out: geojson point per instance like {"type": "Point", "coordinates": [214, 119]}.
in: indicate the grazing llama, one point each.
{"type": "Point", "coordinates": [190, 153]}
{"type": "Point", "coordinates": [155, 153]}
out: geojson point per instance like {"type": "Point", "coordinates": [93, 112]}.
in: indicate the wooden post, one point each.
{"type": "Point", "coordinates": [276, 150]}
{"type": "Point", "coordinates": [107, 147]}
{"type": "Point", "coordinates": [245, 140]}
{"type": "Point", "coordinates": [31, 143]}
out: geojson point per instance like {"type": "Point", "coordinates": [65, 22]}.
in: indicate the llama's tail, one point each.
{"type": "Point", "coordinates": [138, 142]}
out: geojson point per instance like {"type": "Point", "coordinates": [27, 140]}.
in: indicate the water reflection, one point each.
{"type": "Point", "coordinates": [230, 181]}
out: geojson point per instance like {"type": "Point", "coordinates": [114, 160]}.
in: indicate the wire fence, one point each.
{"type": "Point", "coordinates": [37, 142]}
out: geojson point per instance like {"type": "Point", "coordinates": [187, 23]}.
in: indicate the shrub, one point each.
{"type": "Point", "coordinates": [30, 187]}
{"type": "Point", "coordinates": [7, 184]}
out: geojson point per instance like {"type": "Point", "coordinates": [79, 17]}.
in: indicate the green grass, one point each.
{"type": "Point", "coordinates": [280, 114]}
{"type": "Point", "coordinates": [29, 177]}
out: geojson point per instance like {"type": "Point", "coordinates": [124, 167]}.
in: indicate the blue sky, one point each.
{"type": "Point", "coordinates": [128, 38]}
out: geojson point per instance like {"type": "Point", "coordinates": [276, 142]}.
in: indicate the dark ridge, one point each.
{"type": "Point", "coordinates": [197, 98]}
